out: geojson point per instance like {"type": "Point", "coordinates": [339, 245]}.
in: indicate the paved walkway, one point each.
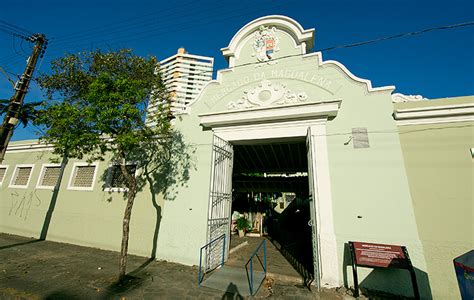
{"type": "Point", "coordinates": [278, 266]}
{"type": "Point", "coordinates": [31, 269]}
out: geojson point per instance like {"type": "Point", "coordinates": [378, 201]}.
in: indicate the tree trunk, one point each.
{"type": "Point", "coordinates": [131, 184]}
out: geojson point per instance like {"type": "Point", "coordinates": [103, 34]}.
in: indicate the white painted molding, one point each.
{"type": "Point", "coordinates": [274, 113]}
{"type": "Point", "coordinates": [40, 177]}
{"type": "Point", "coordinates": [272, 130]}
{"type": "Point", "coordinates": [73, 174]}
{"type": "Point", "coordinates": [5, 175]}
{"type": "Point", "coordinates": [301, 36]}
{"type": "Point", "coordinates": [400, 98]}
{"type": "Point", "coordinates": [435, 114]}
{"type": "Point", "coordinates": [15, 173]}
{"type": "Point", "coordinates": [322, 199]}
{"type": "Point", "coordinates": [349, 74]}
{"type": "Point", "coordinates": [28, 147]}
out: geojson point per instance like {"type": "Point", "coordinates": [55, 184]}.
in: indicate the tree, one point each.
{"type": "Point", "coordinates": [104, 98]}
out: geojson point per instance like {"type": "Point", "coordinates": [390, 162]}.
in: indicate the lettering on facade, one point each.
{"type": "Point", "coordinates": [304, 76]}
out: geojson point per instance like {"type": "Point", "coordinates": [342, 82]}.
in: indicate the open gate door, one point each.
{"type": "Point", "coordinates": [310, 150]}
{"type": "Point", "coordinates": [220, 203]}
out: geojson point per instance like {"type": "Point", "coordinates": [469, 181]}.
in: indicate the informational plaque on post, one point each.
{"type": "Point", "coordinates": [381, 256]}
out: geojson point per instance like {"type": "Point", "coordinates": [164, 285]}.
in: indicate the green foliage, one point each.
{"type": "Point", "coordinates": [104, 97]}
{"type": "Point", "coordinates": [26, 114]}
{"type": "Point", "coordinates": [102, 109]}
{"type": "Point", "coordinates": [242, 223]}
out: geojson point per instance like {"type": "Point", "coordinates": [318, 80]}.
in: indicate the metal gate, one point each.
{"type": "Point", "coordinates": [220, 201]}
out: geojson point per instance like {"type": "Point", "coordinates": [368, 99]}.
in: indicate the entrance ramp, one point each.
{"type": "Point", "coordinates": [234, 280]}
{"type": "Point", "coordinates": [244, 280]}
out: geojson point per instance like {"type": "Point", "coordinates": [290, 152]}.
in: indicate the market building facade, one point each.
{"type": "Point", "coordinates": [280, 110]}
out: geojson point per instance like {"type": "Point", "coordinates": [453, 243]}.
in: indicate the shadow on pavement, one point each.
{"type": "Point", "coordinates": [58, 295]}
{"type": "Point", "coordinates": [232, 293]}
{"type": "Point", "coordinates": [19, 244]}
{"type": "Point", "coordinates": [131, 281]}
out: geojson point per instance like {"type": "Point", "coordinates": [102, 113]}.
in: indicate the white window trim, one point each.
{"type": "Point", "coordinates": [108, 180]}
{"type": "Point", "coordinates": [73, 172]}
{"type": "Point", "coordinates": [5, 176]}
{"type": "Point", "coordinates": [12, 180]}
{"type": "Point", "coordinates": [43, 168]}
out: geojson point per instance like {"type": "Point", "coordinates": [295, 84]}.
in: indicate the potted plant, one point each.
{"type": "Point", "coordinates": [242, 225]}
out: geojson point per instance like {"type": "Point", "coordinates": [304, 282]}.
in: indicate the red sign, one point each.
{"type": "Point", "coordinates": [379, 255]}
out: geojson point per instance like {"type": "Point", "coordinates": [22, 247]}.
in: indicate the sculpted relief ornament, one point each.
{"type": "Point", "coordinates": [265, 44]}
{"type": "Point", "coordinates": [267, 93]}
{"type": "Point", "coordinates": [399, 98]}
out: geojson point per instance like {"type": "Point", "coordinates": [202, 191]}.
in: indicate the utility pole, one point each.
{"type": "Point", "coordinates": [21, 88]}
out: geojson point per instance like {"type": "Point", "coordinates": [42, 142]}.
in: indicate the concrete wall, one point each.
{"type": "Point", "coordinates": [90, 218]}
{"type": "Point", "coordinates": [440, 170]}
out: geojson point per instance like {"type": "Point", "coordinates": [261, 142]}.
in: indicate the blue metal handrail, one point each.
{"type": "Point", "coordinates": [250, 261]}
{"type": "Point", "coordinates": [200, 255]}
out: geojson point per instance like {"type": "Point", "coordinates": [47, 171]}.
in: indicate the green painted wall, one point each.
{"type": "Point", "coordinates": [440, 170]}
{"type": "Point", "coordinates": [90, 218]}
{"type": "Point", "coordinates": [373, 199]}
{"type": "Point", "coordinates": [370, 183]}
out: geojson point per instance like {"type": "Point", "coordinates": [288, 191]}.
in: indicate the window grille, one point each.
{"type": "Point", "coordinates": [50, 176]}
{"type": "Point", "coordinates": [22, 176]}
{"type": "Point", "coordinates": [3, 172]}
{"type": "Point", "coordinates": [83, 177]}
{"type": "Point", "coordinates": [117, 180]}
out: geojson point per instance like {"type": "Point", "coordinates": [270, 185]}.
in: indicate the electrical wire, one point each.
{"type": "Point", "coordinates": [413, 33]}
{"type": "Point", "coordinates": [144, 34]}
{"type": "Point", "coordinates": [16, 28]}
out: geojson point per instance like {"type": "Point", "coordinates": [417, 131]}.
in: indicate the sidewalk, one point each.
{"type": "Point", "coordinates": [31, 269]}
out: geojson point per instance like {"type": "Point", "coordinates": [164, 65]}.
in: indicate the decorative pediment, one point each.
{"type": "Point", "coordinates": [268, 93]}
{"type": "Point", "coordinates": [399, 98]}
{"type": "Point", "coordinates": [267, 36]}
{"type": "Point", "coordinates": [265, 44]}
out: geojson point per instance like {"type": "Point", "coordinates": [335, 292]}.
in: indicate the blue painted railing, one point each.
{"type": "Point", "coordinates": [200, 257]}
{"type": "Point", "coordinates": [250, 262]}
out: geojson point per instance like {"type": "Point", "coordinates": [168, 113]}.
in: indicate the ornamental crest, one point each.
{"type": "Point", "coordinates": [265, 43]}
{"type": "Point", "coordinates": [268, 93]}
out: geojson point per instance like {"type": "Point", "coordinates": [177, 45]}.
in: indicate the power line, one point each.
{"type": "Point", "coordinates": [16, 28]}
{"type": "Point", "coordinates": [399, 36]}
{"type": "Point", "coordinates": [143, 34]}
{"type": "Point", "coordinates": [406, 34]}
{"type": "Point", "coordinates": [98, 29]}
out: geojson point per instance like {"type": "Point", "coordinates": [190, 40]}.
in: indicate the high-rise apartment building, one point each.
{"type": "Point", "coordinates": [184, 75]}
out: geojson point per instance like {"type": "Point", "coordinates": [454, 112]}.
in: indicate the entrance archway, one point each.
{"type": "Point", "coordinates": [306, 122]}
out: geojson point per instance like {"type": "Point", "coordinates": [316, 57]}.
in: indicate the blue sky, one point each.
{"type": "Point", "coordinates": [436, 64]}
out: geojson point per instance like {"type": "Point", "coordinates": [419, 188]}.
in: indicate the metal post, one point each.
{"type": "Point", "coordinates": [223, 251]}
{"type": "Point", "coordinates": [411, 269]}
{"type": "Point", "coordinates": [251, 277]}
{"type": "Point", "coordinates": [265, 255]}
{"type": "Point", "coordinates": [354, 270]}
{"type": "Point", "coordinates": [200, 262]}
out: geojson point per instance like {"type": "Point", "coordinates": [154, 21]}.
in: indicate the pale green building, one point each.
{"type": "Point", "coordinates": [378, 167]}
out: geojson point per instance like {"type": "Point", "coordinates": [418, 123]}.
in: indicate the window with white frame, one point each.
{"type": "Point", "coordinates": [83, 176]}
{"type": "Point", "coordinates": [3, 173]}
{"type": "Point", "coordinates": [115, 178]}
{"type": "Point", "coordinates": [49, 176]}
{"type": "Point", "coordinates": [21, 177]}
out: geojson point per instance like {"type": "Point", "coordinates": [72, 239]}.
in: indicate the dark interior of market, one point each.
{"type": "Point", "coordinates": [270, 189]}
